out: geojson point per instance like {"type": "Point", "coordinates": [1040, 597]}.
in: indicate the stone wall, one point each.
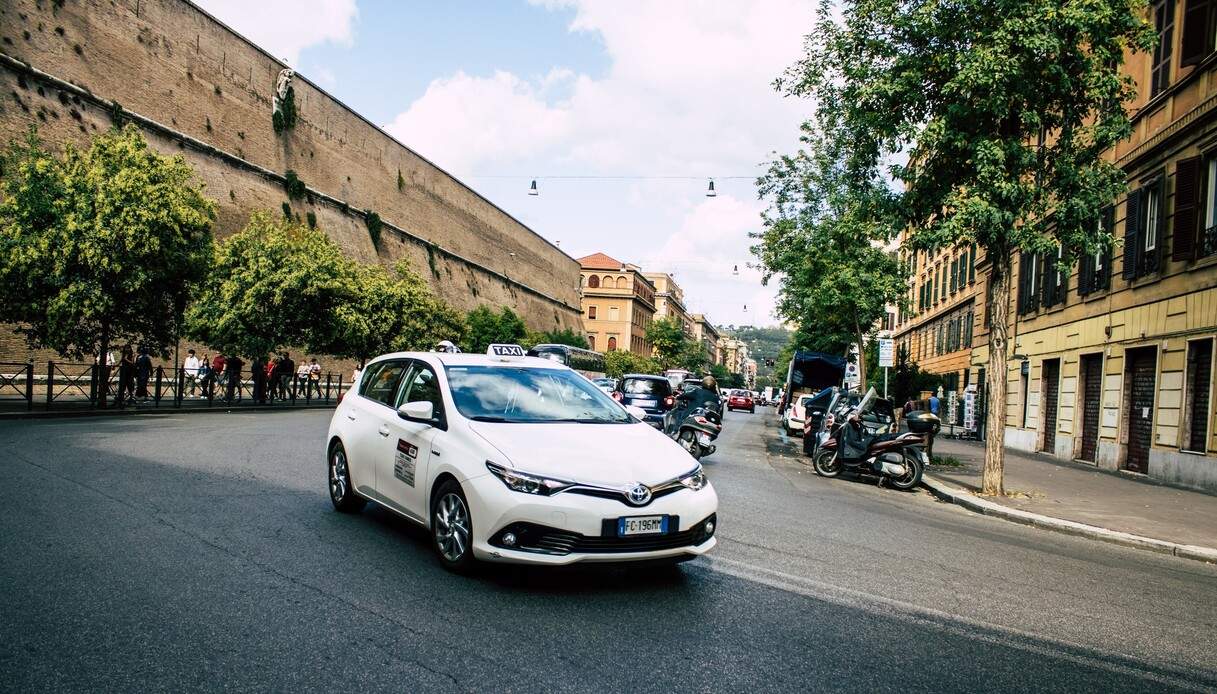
{"type": "Point", "coordinates": [200, 90]}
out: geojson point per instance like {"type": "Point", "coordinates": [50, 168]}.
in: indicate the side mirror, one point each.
{"type": "Point", "coordinates": [418, 411]}
{"type": "Point", "coordinates": [638, 412]}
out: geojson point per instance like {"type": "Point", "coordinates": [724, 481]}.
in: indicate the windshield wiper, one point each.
{"type": "Point", "coordinates": [490, 418]}
{"type": "Point", "coordinates": [586, 420]}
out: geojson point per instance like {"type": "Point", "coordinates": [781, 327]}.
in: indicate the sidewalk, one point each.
{"type": "Point", "coordinates": [1074, 492]}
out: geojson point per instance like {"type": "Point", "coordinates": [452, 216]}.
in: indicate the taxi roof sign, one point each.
{"type": "Point", "coordinates": [505, 352]}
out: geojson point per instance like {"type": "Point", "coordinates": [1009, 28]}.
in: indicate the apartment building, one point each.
{"type": "Point", "coordinates": [618, 304]}
{"type": "Point", "coordinates": [670, 300]}
{"type": "Point", "coordinates": [1112, 360]}
{"type": "Point", "coordinates": [706, 334]}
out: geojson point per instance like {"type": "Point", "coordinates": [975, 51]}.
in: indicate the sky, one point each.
{"type": "Point", "coordinates": [622, 110]}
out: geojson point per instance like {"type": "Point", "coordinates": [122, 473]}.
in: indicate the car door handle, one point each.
{"type": "Point", "coordinates": [434, 451]}
{"type": "Point", "coordinates": [351, 417]}
{"type": "Point", "coordinates": [383, 430]}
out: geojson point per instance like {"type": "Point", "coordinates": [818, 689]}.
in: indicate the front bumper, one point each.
{"type": "Point", "coordinates": [571, 528]}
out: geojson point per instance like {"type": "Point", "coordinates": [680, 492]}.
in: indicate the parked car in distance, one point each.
{"type": "Point", "coordinates": [608, 385]}
{"type": "Point", "coordinates": [652, 394]}
{"type": "Point", "coordinates": [741, 400]}
{"type": "Point", "coordinates": [792, 419]}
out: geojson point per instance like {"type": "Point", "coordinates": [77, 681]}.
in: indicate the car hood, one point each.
{"type": "Point", "coordinates": [600, 454]}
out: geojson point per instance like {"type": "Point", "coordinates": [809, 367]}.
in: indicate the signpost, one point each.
{"type": "Point", "coordinates": [887, 349]}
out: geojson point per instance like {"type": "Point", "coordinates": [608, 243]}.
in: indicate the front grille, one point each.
{"type": "Point", "coordinates": [531, 537]}
{"type": "Point", "coordinates": [621, 496]}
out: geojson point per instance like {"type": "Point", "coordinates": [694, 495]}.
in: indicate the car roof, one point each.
{"type": "Point", "coordinates": [470, 359]}
{"type": "Point", "coordinates": [652, 377]}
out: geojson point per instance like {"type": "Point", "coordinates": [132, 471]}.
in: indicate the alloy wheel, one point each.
{"type": "Point", "coordinates": [340, 477]}
{"type": "Point", "coordinates": [452, 527]}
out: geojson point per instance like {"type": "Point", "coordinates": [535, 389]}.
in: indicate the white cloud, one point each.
{"type": "Point", "coordinates": [285, 27]}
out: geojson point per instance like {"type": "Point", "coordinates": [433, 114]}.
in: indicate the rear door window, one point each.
{"type": "Point", "coordinates": [646, 387]}
{"type": "Point", "coordinates": [379, 382]}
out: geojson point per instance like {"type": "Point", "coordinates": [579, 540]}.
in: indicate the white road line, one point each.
{"type": "Point", "coordinates": [959, 625]}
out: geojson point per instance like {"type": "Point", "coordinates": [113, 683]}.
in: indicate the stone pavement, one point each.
{"type": "Point", "coordinates": [1076, 492]}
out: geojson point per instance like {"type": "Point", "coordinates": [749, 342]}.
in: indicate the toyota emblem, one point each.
{"type": "Point", "coordinates": [639, 494]}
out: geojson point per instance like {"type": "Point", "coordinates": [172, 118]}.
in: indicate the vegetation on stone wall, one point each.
{"type": "Point", "coordinates": [285, 118]}
{"type": "Point", "coordinates": [296, 189]}
{"type": "Point", "coordinates": [372, 220]}
{"type": "Point", "coordinates": [401, 182]}
{"type": "Point", "coordinates": [311, 218]}
{"type": "Point", "coordinates": [100, 246]}
{"type": "Point", "coordinates": [487, 327]}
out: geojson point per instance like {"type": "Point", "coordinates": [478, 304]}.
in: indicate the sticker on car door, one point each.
{"type": "Point", "coordinates": [405, 462]}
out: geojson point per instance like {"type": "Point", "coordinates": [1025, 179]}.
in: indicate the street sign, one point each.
{"type": "Point", "coordinates": [969, 408]}
{"type": "Point", "coordinates": [887, 352]}
{"type": "Point", "coordinates": [851, 375]}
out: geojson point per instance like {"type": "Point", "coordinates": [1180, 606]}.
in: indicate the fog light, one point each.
{"type": "Point", "coordinates": [509, 539]}
{"type": "Point", "coordinates": [709, 527]}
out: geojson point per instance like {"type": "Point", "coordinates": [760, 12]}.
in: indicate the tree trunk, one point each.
{"type": "Point", "coordinates": [997, 303]}
{"type": "Point", "coordinates": [861, 359]}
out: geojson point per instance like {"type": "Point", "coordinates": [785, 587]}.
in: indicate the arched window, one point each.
{"type": "Point", "coordinates": [582, 280]}
{"type": "Point", "coordinates": [593, 281]}
{"type": "Point", "coordinates": [612, 344]}
{"type": "Point", "coordinates": [591, 342]}
{"type": "Point", "coordinates": [622, 283]}
{"type": "Point", "coordinates": [608, 281]}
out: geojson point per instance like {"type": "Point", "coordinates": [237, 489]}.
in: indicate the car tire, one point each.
{"type": "Point", "coordinates": [342, 489]}
{"type": "Point", "coordinates": [452, 528]}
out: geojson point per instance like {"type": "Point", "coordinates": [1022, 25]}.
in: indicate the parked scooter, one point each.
{"type": "Point", "coordinates": [846, 444]}
{"type": "Point", "coordinates": [694, 429]}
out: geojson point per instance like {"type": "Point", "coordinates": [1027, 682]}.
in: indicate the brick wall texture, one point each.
{"type": "Point", "coordinates": [200, 90]}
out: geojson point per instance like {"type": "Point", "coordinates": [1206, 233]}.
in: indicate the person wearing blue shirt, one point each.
{"type": "Point", "coordinates": [933, 404]}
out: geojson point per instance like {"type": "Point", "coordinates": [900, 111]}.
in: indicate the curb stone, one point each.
{"type": "Point", "coordinates": [966, 499]}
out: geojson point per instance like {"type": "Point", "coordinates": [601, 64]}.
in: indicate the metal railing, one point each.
{"type": "Point", "coordinates": [71, 385]}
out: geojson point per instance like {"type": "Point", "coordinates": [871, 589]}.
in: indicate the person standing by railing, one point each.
{"type": "Point", "coordinates": [191, 369]}
{"type": "Point", "coordinates": [301, 382]}
{"type": "Point", "coordinates": [126, 378]}
{"type": "Point", "coordinates": [314, 378]}
{"type": "Point", "coordinates": [232, 378]}
{"type": "Point", "coordinates": [143, 371]}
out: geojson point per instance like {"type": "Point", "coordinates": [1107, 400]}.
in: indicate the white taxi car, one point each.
{"type": "Point", "coordinates": [508, 458]}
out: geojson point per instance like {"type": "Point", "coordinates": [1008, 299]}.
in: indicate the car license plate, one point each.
{"type": "Point", "coordinates": [642, 525]}
{"type": "Point", "coordinates": [703, 439]}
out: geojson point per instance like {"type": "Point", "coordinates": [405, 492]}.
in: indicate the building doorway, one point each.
{"type": "Point", "coordinates": [1139, 389]}
{"type": "Point", "coordinates": [1050, 381]}
{"type": "Point", "coordinates": [1092, 405]}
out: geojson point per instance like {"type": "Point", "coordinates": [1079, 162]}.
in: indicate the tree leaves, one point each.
{"type": "Point", "coordinates": [113, 237]}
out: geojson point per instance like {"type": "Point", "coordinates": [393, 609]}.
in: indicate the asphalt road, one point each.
{"type": "Point", "coordinates": [200, 552]}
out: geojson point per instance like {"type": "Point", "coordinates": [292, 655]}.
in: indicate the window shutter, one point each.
{"type": "Point", "coordinates": [1024, 285]}
{"type": "Point", "coordinates": [972, 264]}
{"type": "Point", "coordinates": [1085, 274]}
{"type": "Point", "coordinates": [1186, 216]}
{"type": "Point", "coordinates": [1132, 228]}
{"type": "Point", "coordinates": [1197, 32]}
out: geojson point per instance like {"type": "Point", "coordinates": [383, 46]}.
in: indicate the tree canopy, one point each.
{"type": "Point", "coordinates": [619, 362]}
{"type": "Point", "coordinates": [488, 327]}
{"type": "Point", "coordinates": [993, 118]}
{"type": "Point", "coordinates": [273, 284]}
{"type": "Point", "coordinates": [100, 245]}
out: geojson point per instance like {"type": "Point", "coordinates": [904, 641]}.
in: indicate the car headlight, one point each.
{"type": "Point", "coordinates": [695, 480]}
{"type": "Point", "coordinates": [525, 483]}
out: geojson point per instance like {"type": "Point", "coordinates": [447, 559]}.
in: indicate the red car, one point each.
{"type": "Point", "coordinates": [741, 400]}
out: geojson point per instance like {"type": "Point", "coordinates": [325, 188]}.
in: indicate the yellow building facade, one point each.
{"type": "Point", "coordinates": [1112, 361]}
{"type": "Point", "coordinates": [618, 304]}
{"type": "Point", "coordinates": [670, 300]}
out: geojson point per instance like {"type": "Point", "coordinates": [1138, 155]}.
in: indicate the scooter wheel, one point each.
{"type": "Point", "coordinates": [826, 463]}
{"type": "Point", "coordinates": [688, 441]}
{"type": "Point", "coordinates": [912, 476]}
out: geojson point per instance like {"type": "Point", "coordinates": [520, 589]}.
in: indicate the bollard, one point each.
{"type": "Point", "coordinates": [181, 386]}
{"type": "Point", "coordinates": [328, 375]}
{"type": "Point", "coordinates": [160, 374]}
{"type": "Point", "coordinates": [29, 386]}
{"type": "Point", "coordinates": [50, 382]}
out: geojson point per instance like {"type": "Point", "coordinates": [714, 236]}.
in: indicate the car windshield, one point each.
{"type": "Point", "coordinates": [646, 386]}
{"type": "Point", "coordinates": [530, 395]}
{"type": "Point", "coordinates": [740, 393]}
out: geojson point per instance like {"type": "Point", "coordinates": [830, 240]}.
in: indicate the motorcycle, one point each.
{"type": "Point", "coordinates": [845, 443]}
{"type": "Point", "coordinates": [695, 430]}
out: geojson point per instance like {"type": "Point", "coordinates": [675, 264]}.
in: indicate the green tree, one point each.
{"type": "Point", "coordinates": [567, 336]}
{"type": "Point", "coordinates": [101, 245]}
{"type": "Point", "coordinates": [823, 235]}
{"type": "Point", "coordinates": [486, 327]}
{"type": "Point", "coordinates": [668, 339]}
{"type": "Point", "coordinates": [618, 363]}
{"type": "Point", "coordinates": [393, 312]}
{"type": "Point", "coordinates": [1002, 114]}
{"type": "Point", "coordinates": [276, 283]}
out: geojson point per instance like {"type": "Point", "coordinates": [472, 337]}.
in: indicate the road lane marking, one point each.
{"type": "Point", "coordinates": [959, 625]}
